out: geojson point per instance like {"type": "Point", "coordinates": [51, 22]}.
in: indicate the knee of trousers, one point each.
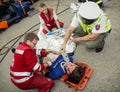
{"type": "Point", "coordinates": [90, 45]}
{"type": "Point", "coordinates": [51, 84]}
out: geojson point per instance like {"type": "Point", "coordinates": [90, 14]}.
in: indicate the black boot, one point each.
{"type": "Point", "coordinates": [13, 50]}
{"type": "Point", "coordinates": [97, 50]}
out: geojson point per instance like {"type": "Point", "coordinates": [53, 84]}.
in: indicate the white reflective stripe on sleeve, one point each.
{"type": "Point", "coordinates": [38, 51]}
{"type": "Point", "coordinates": [21, 80]}
{"type": "Point", "coordinates": [19, 51]}
{"type": "Point", "coordinates": [20, 73]}
{"type": "Point", "coordinates": [36, 66]}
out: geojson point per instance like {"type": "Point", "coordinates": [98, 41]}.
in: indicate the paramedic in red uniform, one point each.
{"type": "Point", "coordinates": [25, 69]}
{"type": "Point", "coordinates": [49, 19]}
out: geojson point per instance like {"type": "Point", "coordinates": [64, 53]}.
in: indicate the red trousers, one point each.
{"type": "Point", "coordinates": [39, 82]}
{"type": "Point", "coordinates": [54, 26]}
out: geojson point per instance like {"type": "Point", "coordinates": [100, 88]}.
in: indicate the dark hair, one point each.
{"type": "Point", "coordinates": [31, 36]}
{"type": "Point", "coordinates": [88, 21]}
{"type": "Point", "coordinates": [42, 4]}
{"type": "Point", "coordinates": [76, 75]}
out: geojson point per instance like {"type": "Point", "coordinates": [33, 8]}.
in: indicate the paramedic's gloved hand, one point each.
{"type": "Point", "coordinates": [59, 28]}
{"type": "Point", "coordinates": [49, 32]}
{"type": "Point", "coordinates": [43, 53]}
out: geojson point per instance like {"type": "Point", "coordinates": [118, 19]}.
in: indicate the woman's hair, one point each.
{"type": "Point", "coordinates": [42, 4]}
{"type": "Point", "coordinates": [31, 36]}
{"type": "Point", "coordinates": [76, 75]}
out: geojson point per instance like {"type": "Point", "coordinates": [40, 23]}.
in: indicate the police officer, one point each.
{"type": "Point", "coordinates": [89, 24]}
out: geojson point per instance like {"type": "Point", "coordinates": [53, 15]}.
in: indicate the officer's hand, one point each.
{"type": "Point", "coordinates": [49, 32]}
{"type": "Point", "coordinates": [63, 47]}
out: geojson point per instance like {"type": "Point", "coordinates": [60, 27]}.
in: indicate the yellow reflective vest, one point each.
{"type": "Point", "coordinates": [88, 28]}
{"type": "Point", "coordinates": [98, 1]}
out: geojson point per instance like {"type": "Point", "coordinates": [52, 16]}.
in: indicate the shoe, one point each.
{"type": "Point", "coordinates": [47, 74]}
{"type": "Point", "coordinates": [13, 50]}
{"type": "Point", "coordinates": [97, 50]}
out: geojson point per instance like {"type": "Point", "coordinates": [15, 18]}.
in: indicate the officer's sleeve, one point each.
{"type": "Point", "coordinates": [31, 61]}
{"type": "Point", "coordinates": [100, 26]}
{"type": "Point", "coordinates": [75, 22]}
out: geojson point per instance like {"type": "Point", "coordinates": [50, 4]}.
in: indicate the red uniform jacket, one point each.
{"type": "Point", "coordinates": [49, 20]}
{"type": "Point", "coordinates": [25, 64]}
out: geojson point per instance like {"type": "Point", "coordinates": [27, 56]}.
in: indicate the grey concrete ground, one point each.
{"type": "Point", "coordinates": [106, 64]}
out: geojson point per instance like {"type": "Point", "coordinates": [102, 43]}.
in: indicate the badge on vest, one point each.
{"type": "Point", "coordinates": [97, 27]}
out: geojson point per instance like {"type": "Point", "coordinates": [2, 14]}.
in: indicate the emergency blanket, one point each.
{"type": "Point", "coordinates": [54, 41]}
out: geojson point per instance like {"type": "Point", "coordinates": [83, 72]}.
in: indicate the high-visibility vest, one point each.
{"type": "Point", "coordinates": [88, 28]}
{"type": "Point", "coordinates": [97, 1]}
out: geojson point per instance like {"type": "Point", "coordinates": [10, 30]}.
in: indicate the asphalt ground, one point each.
{"type": "Point", "coordinates": [106, 64]}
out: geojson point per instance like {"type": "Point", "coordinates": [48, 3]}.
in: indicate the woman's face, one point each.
{"type": "Point", "coordinates": [44, 10]}
{"type": "Point", "coordinates": [70, 67]}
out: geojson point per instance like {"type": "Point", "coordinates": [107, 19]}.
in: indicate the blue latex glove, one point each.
{"type": "Point", "coordinates": [49, 32]}
{"type": "Point", "coordinates": [59, 28]}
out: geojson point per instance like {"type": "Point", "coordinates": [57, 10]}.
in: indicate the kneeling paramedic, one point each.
{"type": "Point", "coordinates": [25, 69]}
{"type": "Point", "coordinates": [89, 24]}
{"type": "Point", "coordinates": [49, 20]}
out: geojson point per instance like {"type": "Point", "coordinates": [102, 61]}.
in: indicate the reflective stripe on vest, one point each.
{"type": "Point", "coordinates": [88, 28]}
{"type": "Point", "coordinates": [21, 80]}
{"type": "Point", "coordinates": [20, 73]}
{"type": "Point", "coordinates": [19, 51]}
{"type": "Point", "coordinates": [98, 2]}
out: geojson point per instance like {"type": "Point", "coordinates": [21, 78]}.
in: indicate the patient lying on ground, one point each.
{"type": "Point", "coordinates": [59, 67]}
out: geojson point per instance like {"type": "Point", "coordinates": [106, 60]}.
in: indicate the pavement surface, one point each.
{"type": "Point", "coordinates": [106, 64]}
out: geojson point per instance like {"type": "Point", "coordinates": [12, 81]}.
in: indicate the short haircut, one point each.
{"type": "Point", "coordinates": [76, 75]}
{"type": "Point", "coordinates": [42, 5]}
{"type": "Point", "coordinates": [31, 36]}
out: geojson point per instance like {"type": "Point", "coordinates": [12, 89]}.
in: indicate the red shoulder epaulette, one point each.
{"type": "Point", "coordinates": [81, 85]}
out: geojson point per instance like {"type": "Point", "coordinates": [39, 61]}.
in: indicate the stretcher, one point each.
{"type": "Point", "coordinates": [83, 82]}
